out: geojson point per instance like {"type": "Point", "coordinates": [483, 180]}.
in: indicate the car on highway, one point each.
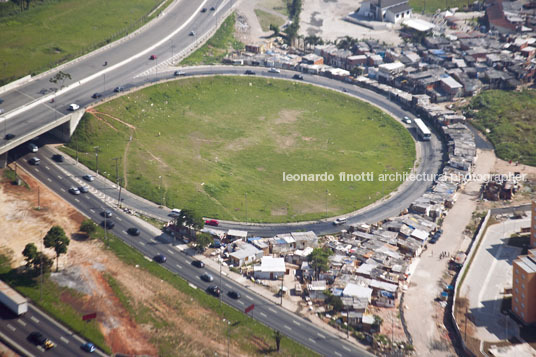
{"type": "Point", "coordinates": [96, 95]}
{"type": "Point", "coordinates": [32, 147]}
{"type": "Point", "coordinates": [207, 277]}
{"type": "Point", "coordinates": [153, 57]}
{"type": "Point", "coordinates": [108, 224]}
{"type": "Point", "coordinates": [175, 212]}
{"type": "Point", "coordinates": [179, 73]}
{"type": "Point", "coordinates": [234, 294]}
{"type": "Point", "coordinates": [73, 107]}
{"type": "Point", "coordinates": [9, 136]}
{"type": "Point", "coordinates": [83, 189]}
{"type": "Point", "coordinates": [37, 338]}
{"type": "Point", "coordinates": [198, 264]}
{"type": "Point", "coordinates": [297, 76]}
{"type": "Point", "coordinates": [58, 158]}
{"type": "Point", "coordinates": [34, 161]}
{"type": "Point", "coordinates": [1, 101]}
{"type": "Point", "coordinates": [88, 347]}
{"type": "Point", "coordinates": [214, 290]}
{"type": "Point", "coordinates": [106, 213]}
{"type": "Point", "coordinates": [212, 222]}
{"type": "Point", "coordinates": [339, 221]}
{"type": "Point", "coordinates": [204, 9]}
{"type": "Point", "coordinates": [250, 72]}
{"type": "Point", "coordinates": [133, 231]}
{"type": "Point", "coordinates": [118, 89]}
{"type": "Point", "coordinates": [406, 120]}
{"type": "Point", "coordinates": [88, 178]}
{"type": "Point", "coordinates": [74, 190]}
{"type": "Point", "coordinates": [212, 8]}
{"type": "Point", "coordinates": [160, 258]}
{"type": "Point", "coordinates": [192, 33]}
{"type": "Point", "coordinates": [274, 70]}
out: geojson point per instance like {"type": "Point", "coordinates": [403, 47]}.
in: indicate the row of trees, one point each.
{"type": "Point", "coordinates": [38, 261]}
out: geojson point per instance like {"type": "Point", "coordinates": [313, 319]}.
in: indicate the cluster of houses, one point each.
{"type": "Point", "coordinates": [371, 263]}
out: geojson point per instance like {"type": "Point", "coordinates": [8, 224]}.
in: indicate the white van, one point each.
{"type": "Point", "coordinates": [32, 147]}
{"type": "Point", "coordinates": [175, 212]}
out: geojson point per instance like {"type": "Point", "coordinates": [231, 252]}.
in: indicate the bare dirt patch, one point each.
{"type": "Point", "coordinates": [287, 116]}
{"type": "Point", "coordinates": [157, 317]}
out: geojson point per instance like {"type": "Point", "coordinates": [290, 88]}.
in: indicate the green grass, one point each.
{"type": "Point", "coordinates": [245, 329]}
{"type": "Point", "coordinates": [215, 49]}
{"type": "Point", "coordinates": [430, 6]}
{"type": "Point", "coordinates": [266, 19]}
{"type": "Point", "coordinates": [510, 118]}
{"type": "Point", "coordinates": [51, 302]}
{"type": "Point", "coordinates": [277, 5]}
{"type": "Point", "coordinates": [216, 140]}
{"type": "Point", "coordinates": [57, 31]}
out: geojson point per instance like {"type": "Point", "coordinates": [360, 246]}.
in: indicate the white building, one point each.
{"type": "Point", "coordinates": [270, 268]}
{"type": "Point", "coordinates": [385, 10]}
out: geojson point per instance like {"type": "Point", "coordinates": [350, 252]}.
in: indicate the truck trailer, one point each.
{"type": "Point", "coordinates": [12, 299]}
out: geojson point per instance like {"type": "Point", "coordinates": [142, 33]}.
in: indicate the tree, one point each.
{"type": "Point", "coordinates": [203, 241]}
{"type": "Point", "coordinates": [41, 259]}
{"type": "Point", "coordinates": [275, 29]}
{"type": "Point", "coordinates": [335, 302]}
{"type": "Point", "coordinates": [60, 77]}
{"type": "Point", "coordinates": [190, 218]}
{"type": "Point", "coordinates": [57, 240]}
{"type": "Point", "coordinates": [346, 43]}
{"type": "Point", "coordinates": [88, 226]}
{"type": "Point", "coordinates": [29, 253]}
{"type": "Point", "coordinates": [278, 337]}
{"type": "Point", "coordinates": [313, 40]}
{"type": "Point", "coordinates": [319, 260]}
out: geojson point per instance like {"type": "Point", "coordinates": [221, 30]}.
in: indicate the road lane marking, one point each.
{"type": "Point", "coordinates": [119, 219]}
{"type": "Point", "coordinates": [296, 322]}
{"type": "Point", "coordinates": [46, 167]}
{"type": "Point", "coordinates": [87, 197]}
{"type": "Point", "coordinates": [313, 341]}
{"type": "Point", "coordinates": [287, 327]}
{"type": "Point", "coordinates": [346, 348]}
{"type": "Point", "coordinates": [179, 266]}
{"type": "Point", "coordinates": [40, 348]}
{"type": "Point", "coordinates": [34, 319]}
{"type": "Point", "coordinates": [11, 327]}
{"type": "Point", "coordinates": [66, 341]}
{"type": "Point", "coordinates": [320, 335]}
{"type": "Point", "coordinates": [36, 169]}
{"type": "Point", "coordinates": [338, 354]}
{"type": "Point", "coordinates": [263, 314]}
{"type": "Point", "coordinates": [170, 251]}
{"type": "Point", "coordinates": [247, 297]}
{"type": "Point", "coordinates": [48, 179]}
{"type": "Point", "coordinates": [77, 200]}
{"type": "Point", "coordinates": [240, 302]}
{"type": "Point", "coordinates": [272, 310]}
{"type": "Point", "coordinates": [62, 189]}
{"type": "Point", "coordinates": [92, 210]}
{"type": "Point", "coordinates": [21, 322]}
{"type": "Point", "coordinates": [59, 177]}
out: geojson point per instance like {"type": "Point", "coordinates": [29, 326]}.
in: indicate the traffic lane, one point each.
{"type": "Point", "coordinates": [191, 274]}
{"type": "Point", "coordinates": [19, 328]}
{"type": "Point", "coordinates": [82, 68]}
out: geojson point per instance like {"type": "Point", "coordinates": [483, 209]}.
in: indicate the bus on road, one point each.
{"type": "Point", "coordinates": [422, 130]}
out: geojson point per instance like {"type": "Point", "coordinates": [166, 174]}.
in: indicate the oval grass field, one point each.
{"type": "Point", "coordinates": [221, 146]}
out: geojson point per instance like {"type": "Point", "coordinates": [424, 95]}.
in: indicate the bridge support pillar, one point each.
{"type": "Point", "coordinates": [66, 130]}
{"type": "Point", "coordinates": [3, 160]}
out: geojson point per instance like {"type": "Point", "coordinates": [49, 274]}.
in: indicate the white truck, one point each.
{"type": "Point", "coordinates": [12, 299]}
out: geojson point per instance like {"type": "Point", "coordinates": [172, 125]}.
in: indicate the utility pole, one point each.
{"type": "Point", "coordinates": [119, 196]}
{"type": "Point", "coordinates": [327, 193]}
{"type": "Point", "coordinates": [246, 204]}
{"type": "Point", "coordinates": [348, 322]}
{"type": "Point", "coordinates": [281, 291]}
{"type": "Point", "coordinates": [116, 170]}
{"type": "Point", "coordinates": [97, 159]}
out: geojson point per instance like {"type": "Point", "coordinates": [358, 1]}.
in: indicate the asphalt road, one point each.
{"type": "Point", "coordinates": [17, 329]}
{"type": "Point", "coordinates": [56, 177]}
{"type": "Point", "coordinates": [125, 61]}
{"type": "Point", "coordinates": [431, 156]}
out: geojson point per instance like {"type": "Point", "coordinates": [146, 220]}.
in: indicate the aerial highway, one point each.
{"type": "Point", "coordinates": [58, 178]}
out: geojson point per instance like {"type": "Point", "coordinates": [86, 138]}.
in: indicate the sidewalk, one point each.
{"type": "Point", "coordinates": [424, 316]}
